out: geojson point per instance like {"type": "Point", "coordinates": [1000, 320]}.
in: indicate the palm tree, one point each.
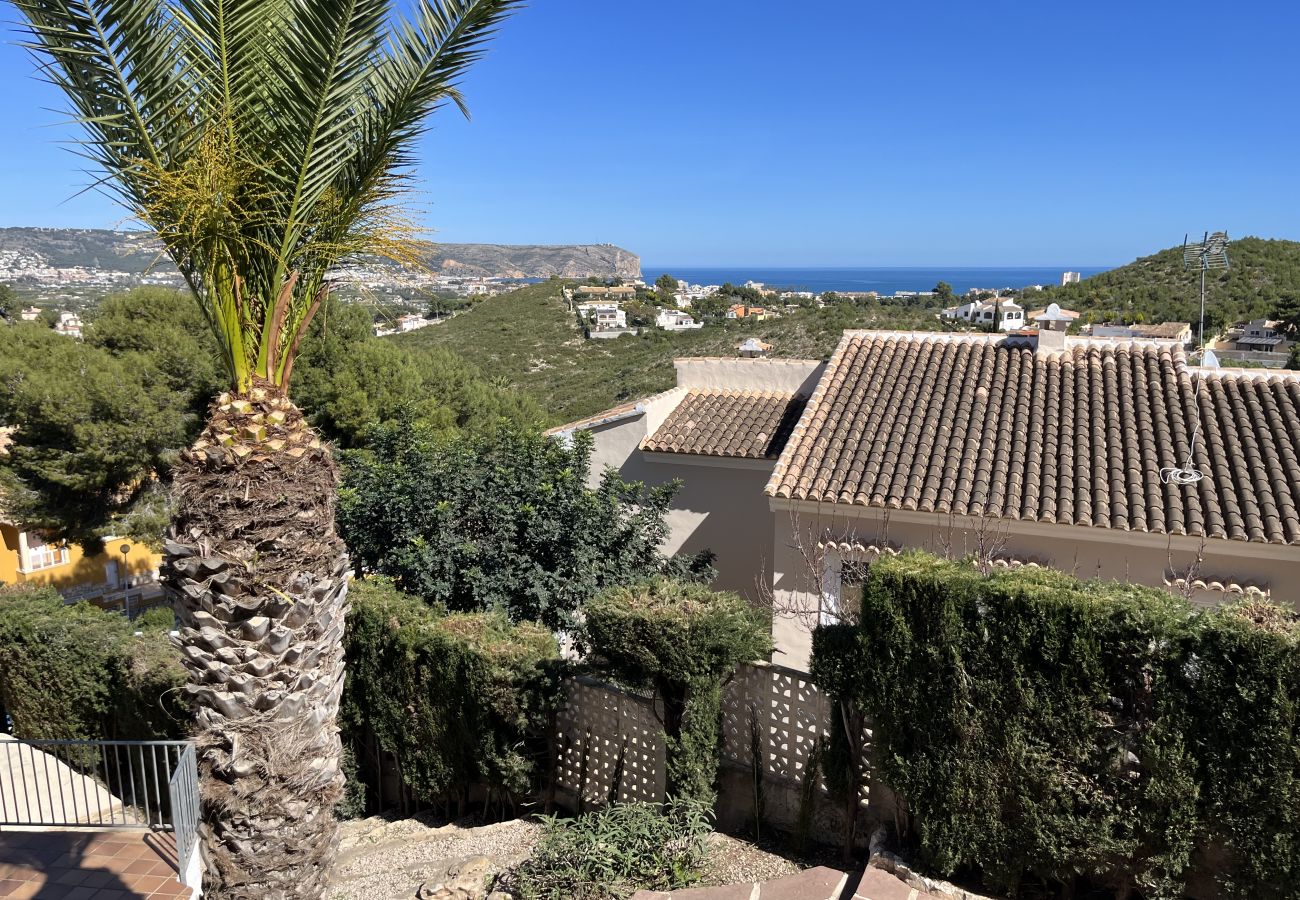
{"type": "Point", "coordinates": [263, 141]}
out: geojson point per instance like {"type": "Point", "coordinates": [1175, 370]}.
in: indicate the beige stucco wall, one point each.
{"type": "Point", "coordinates": [720, 505]}
{"type": "Point", "coordinates": [1087, 552]}
{"type": "Point", "coordinates": [719, 374]}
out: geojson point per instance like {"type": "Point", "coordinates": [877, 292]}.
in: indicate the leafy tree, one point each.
{"type": "Point", "coordinates": [713, 306]}
{"type": "Point", "coordinates": [500, 522]}
{"type": "Point", "coordinates": [10, 308]}
{"type": "Point", "coordinates": [349, 382]}
{"type": "Point", "coordinates": [94, 429]}
{"type": "Point", "coordinates": [262, 142]}
{"type": "Point", "coordinates": [943, 291]}
{"type": "Point", "coordinates": [667, 284]}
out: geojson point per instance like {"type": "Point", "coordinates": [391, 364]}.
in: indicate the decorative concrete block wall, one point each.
{"type": "Point", "coordinates": [606, 733]}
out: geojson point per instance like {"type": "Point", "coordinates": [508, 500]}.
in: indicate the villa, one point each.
{"type": "Point", "coordinates": [1107, 458]}
{"type": "Point", "coordinates": [1004, 315]}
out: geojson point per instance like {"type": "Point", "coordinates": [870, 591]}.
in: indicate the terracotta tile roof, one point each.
{"type": "Point", "coordinates": [744, 424]}
{"type": "Point", "coordinates": [982, 425]}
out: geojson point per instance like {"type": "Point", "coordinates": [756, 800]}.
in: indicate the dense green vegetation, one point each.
{"type": "Point", "coordinates": [500, 522]}
{"type": "Point", "coordinates": [529, 340]}
{"type": "Point", "coordinates": [100, 420]}
{"type": "Point", "coordinates": [614, 852]}
{"type": "Point", "coordinates": [458, 700]}
{"type": "Point", "coordinates": [80, 672]}
{"type": "Point", "coordinates": [1038, 728]}
{"type": "Point", "coordinates": [1264, 275]}
{"type": "Point", "coordinates": [684, 641]}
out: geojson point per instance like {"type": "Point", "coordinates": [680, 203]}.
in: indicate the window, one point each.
{"type": "Point", "coordinates": [41, 555]}
{"type": "Point", "coordinates": [843, 573]}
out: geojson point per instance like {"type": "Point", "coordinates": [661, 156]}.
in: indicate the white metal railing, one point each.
{"type": "Point", "coordinates": [141, 785]}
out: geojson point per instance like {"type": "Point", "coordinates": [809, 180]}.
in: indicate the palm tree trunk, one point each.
{"type": "Point", "coordinates": [259, 579]}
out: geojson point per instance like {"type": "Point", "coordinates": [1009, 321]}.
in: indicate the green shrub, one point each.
{"type": "Point", "coordinates": [156, 618]}
{"type": "Point", "coordinates": [501, 521]}
{"type": "Point", "coordinates": [1040, 726]}
{"type": "Point", "coordinates": [459, 699]}
{"type": "Point", "coordinates": [617, 851]}
{"type": "Point", "coordinates": [78, 672]}
{"type": "Point", "coordinates": [684, 641]}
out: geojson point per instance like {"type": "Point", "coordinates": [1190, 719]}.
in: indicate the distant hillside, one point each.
{"type": "Point", "coordinates": [535, 260]}
{"type": "Point", "coordinates": [1158, 288]}
{"type": "Point", "coordinates": [63, 248]}
{"type": "Point", "coordinates": [530, 339]}
{"type": "Point", "coordinates": [133, 252]}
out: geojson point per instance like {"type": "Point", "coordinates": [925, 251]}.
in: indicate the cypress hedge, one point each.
{"type": "Point", "coordinates": [683, 640]}
{"type": "Point", "coordinates": [1040, 728]}
{"type": "Point", "coordinates": [80, 672]}
{"type": "Point", "coordinates": [459, 699]}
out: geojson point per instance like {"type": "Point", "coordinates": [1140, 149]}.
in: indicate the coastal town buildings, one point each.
{"type": "Point", "coordinates": [1069, 278]}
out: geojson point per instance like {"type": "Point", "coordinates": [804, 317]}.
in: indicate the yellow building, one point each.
{"type": "Point", "coordinates": [126, 572]}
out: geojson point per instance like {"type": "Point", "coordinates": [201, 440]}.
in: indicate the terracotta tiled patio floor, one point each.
{"type": "Point", "coordinates": [88, 865]}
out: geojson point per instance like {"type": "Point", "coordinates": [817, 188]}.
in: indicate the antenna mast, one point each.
{"type": "Point", "coordinates": [1211, 252]}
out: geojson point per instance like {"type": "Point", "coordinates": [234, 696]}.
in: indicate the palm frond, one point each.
{"type": "Point", "coordinates": [264, 140]}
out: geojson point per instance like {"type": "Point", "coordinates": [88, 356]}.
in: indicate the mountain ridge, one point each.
{"type": "Point", "coordinates": [23, 249]}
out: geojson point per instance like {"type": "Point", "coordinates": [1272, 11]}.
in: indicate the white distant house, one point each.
{"type": "Point", "coordinates": [69, 324]}
{"type": "Point", "coordinates": [1069, 278]}
{"type": "Point", "coordinates": [1006, 315]}
{"type": "Point", "coordinates": [676, 320]}
{"type": "Point", "coordinates": [31, 314]}
{"type": "Point", "coordinates": [603, 316]}
{"type": "Point", "coordinates": [753, 348]}
{"type": "Point", "coordinates": [408, 322]}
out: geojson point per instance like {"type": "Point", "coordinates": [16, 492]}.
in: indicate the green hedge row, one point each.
{"type": "Point", "coordinates": [459, 699]}
{"type": "Point", "coordinates": [1039, 728]}
{"type": "Point", "coordinates": [684, 641]}
{"type": "Point", "coordinates": [81, 672]}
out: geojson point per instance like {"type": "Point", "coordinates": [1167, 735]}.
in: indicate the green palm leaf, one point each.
{"type": "Point", "coordinates": [263, 140]}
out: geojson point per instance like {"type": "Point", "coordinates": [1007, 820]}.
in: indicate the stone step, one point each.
{"type": "Point", "coordinates": [821, 883]}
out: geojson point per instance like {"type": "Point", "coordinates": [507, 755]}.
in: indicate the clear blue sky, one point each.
{"type": "Point", "coordinates": [833, 132]}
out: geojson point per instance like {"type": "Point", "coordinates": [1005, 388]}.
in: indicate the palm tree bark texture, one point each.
{"type": "Point", "coordinates": [260, 580]}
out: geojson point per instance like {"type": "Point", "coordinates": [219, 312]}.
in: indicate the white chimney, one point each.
{"type": "Point", "coordinates": [1052, 326]}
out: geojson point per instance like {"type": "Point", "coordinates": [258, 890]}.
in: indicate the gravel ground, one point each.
{"type": "Point", "coordinates": [733, 861]}
{"type": "Point", "coordinates": [385, 859]}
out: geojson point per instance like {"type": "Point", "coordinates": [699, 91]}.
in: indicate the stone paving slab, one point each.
{"type": "Point", "coordinates": [877, 884]}
{"type": "Point", "coordinates": [81, 865]}
{"type": "Point", "coordinates": [820, 883]}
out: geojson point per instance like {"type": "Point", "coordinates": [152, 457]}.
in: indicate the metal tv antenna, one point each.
{"type": "Point", "coordinates": [1211, 252]}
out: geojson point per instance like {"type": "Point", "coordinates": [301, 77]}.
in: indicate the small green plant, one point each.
{"type": "Point", "coordinates": [612, 853]}
{"type": "Point", "coordinates": [808, 795]}
{"type": "Point", "coordinates": [756, 766]}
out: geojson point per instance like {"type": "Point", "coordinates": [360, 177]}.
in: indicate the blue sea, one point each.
{"type": "Point", "coordinates": [883, 280]}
